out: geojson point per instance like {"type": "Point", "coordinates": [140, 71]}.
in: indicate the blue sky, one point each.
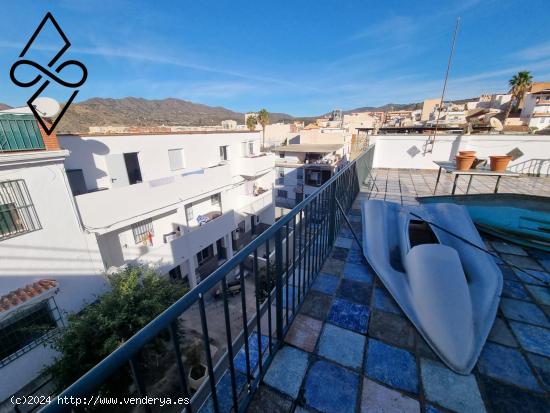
{"type": "Point", "coordinates": [299, 57]}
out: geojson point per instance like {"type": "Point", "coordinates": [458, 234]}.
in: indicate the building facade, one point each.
{"type": "Point", "coordinates": [536, 109]}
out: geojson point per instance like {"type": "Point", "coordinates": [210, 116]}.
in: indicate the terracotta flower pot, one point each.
{"type": "Point", "coordinates": [464, 163]}
{"type": "Point", "coordinates": [499, 163]}
{"type": "Point", "coordinates": [467, 153]}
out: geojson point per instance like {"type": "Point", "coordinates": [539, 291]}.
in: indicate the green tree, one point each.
{"type": "Point", "coordinates": [137, 296]}
{"type": "Point", "coordinates": [263, 119]}
{"type": "Point", "coordinates": [251, 123]}
{"type": "Point", "coordinates": [518, 86]}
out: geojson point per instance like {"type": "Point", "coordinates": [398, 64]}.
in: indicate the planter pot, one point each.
{"type": "Point", "coordinates": [500, 163]}
{"type": "Point", "coordinates": [464, 163]}
{"type": "Point", "coordinates": [467, 153]}
{"type": "Point", "coordinates": [196, 376]}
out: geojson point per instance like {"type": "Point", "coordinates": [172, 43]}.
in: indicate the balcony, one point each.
{"type": "Point", "coordinates": [327, 336]}
{"type": "Point", "coordinates": [254, 165]}
{"type": "Point", "coordinates": [106, 210]}
{"type": "Point", "coordinates": [254, 204]}
{"type": "Point", "coordinates": [184, 247]}
{"type": "Point", "coordinates": [20, 133]}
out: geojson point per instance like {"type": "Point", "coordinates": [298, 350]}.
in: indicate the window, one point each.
{"type": "Point", "coordinates": [189, 212]}
{"type": "Point", "coordinates": [177, 159]}
{"type": "Point", "coordinates": [281, 172]}
{"type": "Point", "coordinates": [282, 155]}
{"type": "Point", "coordinates": [27, 329]}
{"type": "Point", "coordinates": [143, 231]}
{"type": "Point", "coordinates": [132, 167]}
{"type": "Point", "coordinates": [250, 148]}
{"type": "Point", "coordinates": [17, 214]}
{"type": "Point", "coordinates": [224, 153]}
{"type": "Point", "coordinates": [215, 199]}
{"type": "Point", "coordinates": [281, 193]}
{"type": "Point", "coordinates": [203, 255]}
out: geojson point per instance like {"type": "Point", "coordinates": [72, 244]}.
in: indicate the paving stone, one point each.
{"type": "Point", "coordinates": [506, 364]}
{"type": "Point", "coordinates": [253, 353]}
{"type": "Point", "coordinates": [334, 266]}
{"type": "Point", "coordinates": [542, 257]}
{"type": "Point", "coordinates": [326, 283]}
{"type": "Point", "coordinates": [349, 315]}
{"type": "Point", "coordinates": [392, 366]}
{"type": "Point", "coordinates": [330, 388]}
{"type": "Point", "coordinates": [385, 302]}
{"type": "Point", "coordinates": [433, 409]}
{"type": "Point", "coordinates": [423, 349]}
{"type": "Point", "coordinates": [342, 346]}
{"type": "Point", "coordinates": [450, 390]}
{"type": "Point", "coordinates": [300, 409]}
{"type": "Point", "coordinates": [541, 294]}
{"type": "Point", "coordinates": [355, 256]}
{"type": "Point", "coordinates": [532, 338]}
{"type": "Point", "coordinates": [513, 289]}
{"type": "Point", "coordinates": [508, 273]}
{"type": "Point", "coordinates": [224, 394]}
{"type": "Point", "coordinates": [358, 272]}
{"type": "Point", "coordinates": [292, 296]}
{"type": "Point", "coordinates": [304, 332]}
{"type": "Point", "coordinates": [503, 397]}
{"type": "Point", "coordinates": [343, 242]}
{"type": "Point", "coordinates": [522, 262]}
{"type": "Point", "coordinates": [355, 291]}
{"type": "Point", "coordinates": [376, 398]}
{"type": "Point", "coordinates": [392, 329]}
{"type": "Point", "coordinates": [506, 248]}
{"type": "Point", "coordinates": [287, 371]}
{"type": "Point", "coordinates": [316, 305]}
{"type": "Point", "coordinates": [500, 333]}
{"type": "Point", "coordinates": [267, 400]}
{"type": "Point", "coordinates": [523, 311]}
{"type": "Point", "coordinates": [532, 276]}
{"type": "Point", "coordinates": [339, 253]}
{"type": "Point", "coordinates": [542, 366]}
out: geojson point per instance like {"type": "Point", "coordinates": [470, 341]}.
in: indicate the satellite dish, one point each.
{"type": "Point", "coordinates": [46, 107]}
{"type": "Point", "coordinates": [496, 124]}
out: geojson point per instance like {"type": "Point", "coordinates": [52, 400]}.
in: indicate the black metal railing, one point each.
{"type": "Point", "coordinates": [281, 263]}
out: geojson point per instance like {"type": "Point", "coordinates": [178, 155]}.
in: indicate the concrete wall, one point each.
{"type": "Point", "coordinates": [59, 250]}
{"type": "Point", "coordinates": [406, 151]}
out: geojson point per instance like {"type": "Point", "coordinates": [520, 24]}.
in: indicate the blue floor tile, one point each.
{"type": "Point", "coordinates": [287, 371]}
{"type": "Point", "coordinates": [523, 311]}
{"type": "Point", "coordinates": [357, 272]}
{"type": "Point", "coordinates": [508, 273]}
{"type": "Point", "coordinates": [542, 366]}
{"type": "Point", "coordinates": [342, 346]}
{"type": "Point", "coordinates": [355, 291]}
{"type": "Point", "coordinates": [532, 338]}
{"type": "Point", "coordinates": [292, 296]}
{"type": "Point", "coordinates": [383, 301]}
{"type": "Point", "coordinates": [330, 388]}
{"type": "Point", "coordinates": [542, 294]}
{"type": "Point", "coordinates": [508, 365]}
{"type": "Point", "coordinates": [533, 276]}
{"type": "Point", "coordinates": [392, 366]}
{"type": "Point", "coordinates": [224, 393]}
{"type": "Point", "coordinates": [326, 283]}
{"type": "Point", "coordinates": [240, 358]}
{"type": "Point", "coordinates": [515, 289]}
{"type": "Point", "coordinates": [343, 242]}
{"type": "Point", "coordinates": [355, 257]}
{"type": "Point", "coordinates": [432, 409]}
{"type": "Point", "coordinates": [349, 315]}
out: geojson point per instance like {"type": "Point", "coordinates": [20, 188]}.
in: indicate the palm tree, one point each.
{"type": "Point", "coordinates": [251, 123]}
{"type": "Point", "coordinates": [518, 86]}
{"type": "Point", "coordinates": [263, 119]}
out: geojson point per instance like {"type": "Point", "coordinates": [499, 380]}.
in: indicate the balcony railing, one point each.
{"type": "Point", "coordinates": [19, 133]}
{"type": "Point", "coordinates": [301, 241]}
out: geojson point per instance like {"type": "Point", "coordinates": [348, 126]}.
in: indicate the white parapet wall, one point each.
{"type": "Point", "coordinates": [407, 151]}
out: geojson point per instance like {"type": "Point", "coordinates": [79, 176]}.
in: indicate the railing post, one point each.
{"type": "Point", "coordinates": [332, 212]}
{"type": "Point", "coordinates": [279, 284]}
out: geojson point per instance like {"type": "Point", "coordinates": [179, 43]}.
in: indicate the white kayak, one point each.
{"type": "Point", "coordinates": [449, 289]}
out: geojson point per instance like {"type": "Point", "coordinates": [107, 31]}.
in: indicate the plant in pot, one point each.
{"type": "Point", "coordinates": [499, 163]}
{"type": "Point", "coordinates": [197, 371]}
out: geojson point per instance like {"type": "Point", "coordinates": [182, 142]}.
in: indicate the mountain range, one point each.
{"type": "Point", "coordinates": [131, 111]}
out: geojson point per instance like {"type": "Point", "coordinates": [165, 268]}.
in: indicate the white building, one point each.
{"type": "Point", "coordinates": [180, 202]}
{"type": "Point", "coordinates": [48, 267]}
{"type": "Point", "coordinates": [229, 124]}
{"type": "Point", "coordinates": [536, 109]}
{"type": "Point", "coordinates": [303, 168]}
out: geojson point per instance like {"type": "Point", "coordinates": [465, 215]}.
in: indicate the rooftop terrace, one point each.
{"type": "Point", "coordinates": [329, 338]}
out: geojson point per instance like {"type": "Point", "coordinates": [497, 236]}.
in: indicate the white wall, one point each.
{"type": "Point", "coordinates": [391, 150]}
{"type": "Point", "coordinates": [59, 250]}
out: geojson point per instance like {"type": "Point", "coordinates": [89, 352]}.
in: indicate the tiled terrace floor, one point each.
{"type": "Point", "coordinates": [402, 185]}
{"type": "Point", "coordinates": [351, 349]}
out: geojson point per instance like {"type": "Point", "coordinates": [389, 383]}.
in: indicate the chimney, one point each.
{"type": "Point", "coordinates": [50, 142]}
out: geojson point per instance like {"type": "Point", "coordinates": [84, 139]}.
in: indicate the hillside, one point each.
{"type": "Point", "coordinates": [144, 112]}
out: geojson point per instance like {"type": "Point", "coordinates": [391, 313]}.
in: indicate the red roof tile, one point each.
{"type": "Point", "coordinates": [21, 295]}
